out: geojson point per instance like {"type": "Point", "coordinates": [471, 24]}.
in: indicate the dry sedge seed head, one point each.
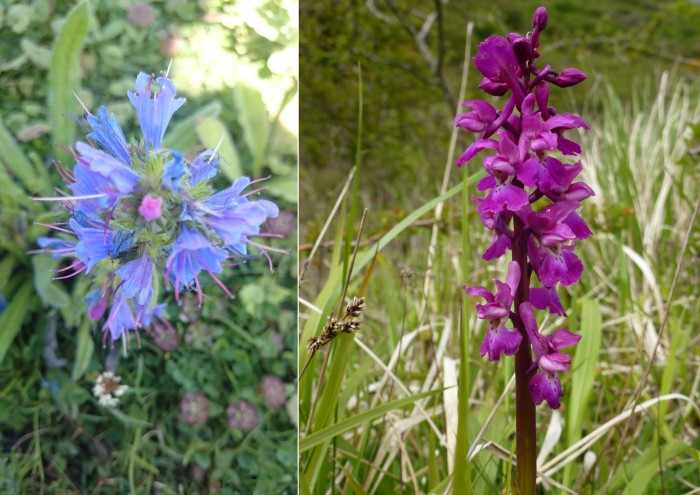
{"type": "Point", "coordinates": [314, 345]}
{"type": "Point", "coordinates": [356, 307]}
{"type": "Point", "coordinates": [352, 325]}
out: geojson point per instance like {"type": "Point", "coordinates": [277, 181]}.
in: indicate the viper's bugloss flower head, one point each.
{"type": "Point", "coordinates": [143, 216]}
{"type": "Point", "coordinates": [529, 184]}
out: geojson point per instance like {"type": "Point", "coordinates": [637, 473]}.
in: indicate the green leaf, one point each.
{"type": "Point", "coordinates": [49, 291]}
{"type": "Point", "coordinates": [583, 374]}
{"type": "Point", "coordinates": [583, 367]}
{"type": "Point", "coordinates": [462, 467]}
{"type": "Point", "coordinates": [34, 179]}
{"type": "Point", "coordinates": [352, 422]}
{"type": "Point", "coordinates": [252, 115]}
{"type": "Point", "coordinates": [128, 420]}
{"type": "Point", "coordinates": [38, 55]}
{"type": "Point", "coordinates": [64, 76]}
{"type": "Point", "coordinates": [13, 316]}
{"type": "Point", "coordinates": [284, 187]}
{"type": "Point", "coordinates": [210, 130]}
{"type": "Point", "coordinates": [84, 352]}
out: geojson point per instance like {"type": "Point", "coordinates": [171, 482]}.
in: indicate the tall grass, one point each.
{"type": "Point", "coordinates": [389, 419]}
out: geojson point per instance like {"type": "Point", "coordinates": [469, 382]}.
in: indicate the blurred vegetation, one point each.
{"type": "Point", "coordinates": [236, 64]}
{"type": "Point", "coordinates": [399, 406]}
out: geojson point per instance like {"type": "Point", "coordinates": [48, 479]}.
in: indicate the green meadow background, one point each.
{"type": "Point", "coordinates": [236, 64]}
{"type": "Point", "coordinates": [380, 410]}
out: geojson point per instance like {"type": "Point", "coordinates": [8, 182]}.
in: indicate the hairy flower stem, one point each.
{"type": "Point", "coordinates": [525, 418]}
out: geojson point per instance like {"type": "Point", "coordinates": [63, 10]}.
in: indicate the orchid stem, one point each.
{"type": "Point", "coordinates": [525, 416]}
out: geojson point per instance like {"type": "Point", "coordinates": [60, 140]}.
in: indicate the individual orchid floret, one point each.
{"type": "Point", "coordinates": [547, 298]}
{"type": "Point", "coordinates": [497, 62]}
{"type": "Point", "coordinates": [568, 77]}
{"type": "Point", "coordinates": [557, 262]}
{"type": "Point", "coordinates": [479, 119]}
{"type": "Point", "coordinates": [499, 339]}
{"type": "Point", "coordinates": [503, 193]}
{"type": "Point", "coordinates": [545, 385]}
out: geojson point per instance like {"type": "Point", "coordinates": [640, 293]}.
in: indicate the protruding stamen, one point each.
{"type": "Point", "coordinates": [85, 109]}
{"type": "Point", "coordinates": [54, 227]}
{"type": "Point", "coordinates": [216, 149]}
{"type": "Point", "coordinates": [254, 191]}
{"type": "Point", "coordinates": [220, 284]}
{"type": "Point", "coordinates": [79, 270]}
{"type": "Point", "coordinates": [68, 198]}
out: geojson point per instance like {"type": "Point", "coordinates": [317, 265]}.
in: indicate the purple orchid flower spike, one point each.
{"type": "Point", "coordinates": [154, 113]}
{"type": "Point", "coordinates": [530, 204]}
{"type": "Point", "coordinates": [499, 339]}
{"type": "Point", "coordinates": [545, 385]}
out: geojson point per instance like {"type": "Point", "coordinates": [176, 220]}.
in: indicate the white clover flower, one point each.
{"type": "Point", "coordinates": [107, 389]}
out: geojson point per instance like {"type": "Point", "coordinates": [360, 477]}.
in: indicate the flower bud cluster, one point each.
{"type": "Point", "coordinates": [529, 183]}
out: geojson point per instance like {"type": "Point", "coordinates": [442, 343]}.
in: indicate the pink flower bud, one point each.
{"type": "Point", "coordinates": [569, 77]}
{"type": "Point", "coordinates": [151, 207]}
{"type": "Point", "coordinates": [539, 19]}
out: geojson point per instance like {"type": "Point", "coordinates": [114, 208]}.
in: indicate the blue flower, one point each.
{"type": "Point", "coordinates": [107, 133]}
{"type": "Point", "coordinates": [120, 179]}
{"type": "Point", "coordinates": [142, 207]}
{"type": "Point", "coordinates": [154, 113]}
{"type": "Point", "coordinates": [93, 246]}
{"type": "Point", "coordinates": [174, 172]}
{"type": "Point", "coordinates": [192, 253]}
{"type": "Point", "coordinates": [202, 168]}
{"type": "Point", "coordinates": [236, 223]}
{"type": "Point", "coordinates": [120, 318]}
{"type": "Point", "coordinates": [137, 278]}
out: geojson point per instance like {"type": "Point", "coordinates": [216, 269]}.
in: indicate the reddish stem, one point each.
{"type": "Point", "coordinates": [525, 416]}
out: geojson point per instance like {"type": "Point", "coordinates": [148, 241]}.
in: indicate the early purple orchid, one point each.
{"type": "Point", "coordinates": [530, 204]}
